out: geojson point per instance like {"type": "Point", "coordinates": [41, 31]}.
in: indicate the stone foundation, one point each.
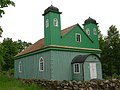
{"type": "Point", "coordinates": [113, 84]}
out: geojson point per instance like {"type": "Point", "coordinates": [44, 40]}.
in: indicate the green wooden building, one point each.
{"type": "Point", "coordinates": [69, 54]}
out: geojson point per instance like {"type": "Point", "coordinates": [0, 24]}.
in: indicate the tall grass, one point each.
{"type": "Point", "coordinates": [13, 84]}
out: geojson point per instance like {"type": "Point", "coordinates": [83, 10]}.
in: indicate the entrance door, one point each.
{"type": "Point", "coordinates": [93, 72]}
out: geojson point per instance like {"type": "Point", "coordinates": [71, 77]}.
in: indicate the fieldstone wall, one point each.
{"type": "Point", "coordinates": [113, 84]}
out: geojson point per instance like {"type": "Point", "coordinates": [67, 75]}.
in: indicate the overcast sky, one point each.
{"type": "Point", "coordinates": [25, 21]}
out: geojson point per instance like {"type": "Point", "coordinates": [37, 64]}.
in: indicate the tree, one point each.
{"type": "Point", "coordinates": [110, 46]}
{"type": "Point", "coordinates": [3, 4]}
{"type": "Point", "coordinates": [11, 48]}
{"type": "Point", "coordinates": [1, 56]}
{"type": "Point", "coordinates": [113, 39]}
{"type": "Point", "coordinates": [11, 51]}
{"type": "Point", "coordinates": [21, 45]}
{"type": "Point", "coordinates": [103, 45]}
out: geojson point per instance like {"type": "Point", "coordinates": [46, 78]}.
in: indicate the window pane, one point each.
{"type": "Point", "coordinates": [78, 37]}
{"type": "Point", "coordinates": [47, 23]}
{"type": "Point", "coordinates": [55, 22]}
{"type": "Point", "coordinates": [95, 32]}
{"type": "Point", "coordinates": [88, 31]}
{"type": "Point", "coordinates": [76, 68]}
{"type": "Point", "coordinates": [41, 64]}
{"type": "Point", "coordinates": [20, 66]}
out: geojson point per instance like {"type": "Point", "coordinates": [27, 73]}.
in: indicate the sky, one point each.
{"type": "Point", "coordinates": [25, 20]}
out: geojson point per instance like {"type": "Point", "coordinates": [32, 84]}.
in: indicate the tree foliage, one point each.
{"type": "Point", "coordinates": [3, 4]}
{"type": "Point", "coordinates": [110, 46]}
{"type": "Point", "coordinates": [1, 56]}
{"type": "Point", "coordinates": [8, 50]}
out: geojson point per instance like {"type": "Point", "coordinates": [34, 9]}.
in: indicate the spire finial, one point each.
{"type": "Point", "coordinates": [51, 2]}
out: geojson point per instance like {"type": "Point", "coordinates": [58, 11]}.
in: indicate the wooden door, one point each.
{"type": "Point", "coordinates": [93, 71]}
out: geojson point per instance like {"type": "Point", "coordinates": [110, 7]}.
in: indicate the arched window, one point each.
{"type": "Point", "coordinates": [47, 23]}
{"type": "Point", "coordinates": [20, 66]}
{"type": "Point", "coordinates": [88, 31]}
{"type": "Point", "coordinates": [95, 32]}
{"type": "Point", "coordinates": [41, 64]}
{"type": "Point", "coordinates": [55, 22]}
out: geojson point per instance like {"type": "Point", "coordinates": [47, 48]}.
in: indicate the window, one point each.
{"type": "Point", "coordinates": [47, 23]}
{"type": "Point", "coordinates": [76, 68]}
{"type": "Point", "coordinates": [78, 37]}
{"type": "Point", "coordinates": [95, 32]}
{"type": "Point", "coordinates": [20, 67]}
{"type": "Point", "coordinates": [88, 31]}
{"type": "Point", "coordinates": [41, 64]}
{"type": "Point", "coordinates": [55, 22]}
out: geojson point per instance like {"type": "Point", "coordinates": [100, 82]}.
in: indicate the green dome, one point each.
{"type": "Point", "coordinates": [51, 9]}
{"type": "Point", "coordinates": [90, 20]}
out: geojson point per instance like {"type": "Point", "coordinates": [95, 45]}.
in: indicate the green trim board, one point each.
{"type": "Point", "coordinates": [61, 48]}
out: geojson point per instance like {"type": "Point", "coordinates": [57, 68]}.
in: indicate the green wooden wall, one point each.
{"type": "Point", "coordinates": [92, 36]}
{"type": "Point", "coordinates": [69, 39]}
{"type": "Point", "coordinates": [30, 66]}
{"type": "Point", "coordinates": [52, 33]}
{"type": "Point", "coordinates": [57, 66]}
{"type": "Point", "coordinates": [61, 64]}
{"type": "Point", "coordinates": [78, 76]}
{"type": "Point", "coordinates": [92, 59]}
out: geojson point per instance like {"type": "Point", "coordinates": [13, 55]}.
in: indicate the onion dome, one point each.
{"type": "Point", "coordinates": [51, 9]}
{"type": "Point", "coordinates": [90, 20]}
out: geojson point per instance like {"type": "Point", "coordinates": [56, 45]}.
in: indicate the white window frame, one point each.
{"type": "Point", "coordinates": [76, 36]}
{"type": "Point", "coordinates": [47, 23]}
{"type": "Point", "coordinates": [20, 66]}
{"type": "Point", "coordinates": [94, 31]}
{"type": "Point", "coordinates": [74, 68]}
{"type": "Point", "coordinates": [41, 68]}
{"type": "Point", "coordinates": [55, 22]}
{"type": "Point", "coordinates": [88, 31]}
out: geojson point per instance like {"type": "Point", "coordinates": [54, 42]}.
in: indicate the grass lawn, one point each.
{"type": "Point", "coordinates": [13, 84]}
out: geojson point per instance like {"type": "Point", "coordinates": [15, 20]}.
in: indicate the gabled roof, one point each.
{"type": "Point", "coordinates": [40, 43]}
{"type": "Point", "coordinates": [36, 46]}
{"type": "Point", "coordinates": [64, 31]}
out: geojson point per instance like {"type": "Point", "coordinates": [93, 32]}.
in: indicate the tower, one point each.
{"type": "Point", "coordinates": [91, 29]}
{"type": "Point", "coordinates": [52, 26]}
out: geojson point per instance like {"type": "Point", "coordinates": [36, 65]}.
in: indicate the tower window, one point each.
{"type": "Point", "coordinates": [41, 64]}
{"type": "Point", "coordinates": [88, 31]}
{"type": "Point", "coordinates": [95, 32]}
{"type": "Point", "coordinates": [20, 67]}
{"type": "Point", "coordinates": [47, 23]}
{"type": "Point", "coordinates": [76, 68]}
{"type": "Point", "coordinates": [78, 37]}
{"type": "Point", "coordinates": [55, 22]}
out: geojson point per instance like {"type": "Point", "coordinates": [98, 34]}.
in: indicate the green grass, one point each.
{"type": "Point", "coordinates": [13, 84]}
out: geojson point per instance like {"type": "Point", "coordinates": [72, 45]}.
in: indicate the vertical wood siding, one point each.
{"type": "Point", "coordinates": [92, 59]}
{"type": "Point", "coordinates": [30, 66]}
{"type": "Point", "coordinates": [61, 64]}
{"type": "Point", "coordinates": [57, 66]}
